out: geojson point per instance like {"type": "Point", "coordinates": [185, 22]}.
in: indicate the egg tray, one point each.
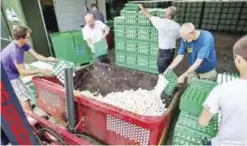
{"type": "Point", "coordinates": [188, 132]}
{"type": "Point", "coordinates": [172, 79]}
{"type": "Point", "coordinates": [226, 77]}
{"type": "Point", "coordinates": [194, 96]}
{"type": "Point", "coordinates": [100, 48]}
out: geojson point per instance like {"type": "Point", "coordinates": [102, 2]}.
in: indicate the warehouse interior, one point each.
{"type": "Point", "coordinates": [132, 49]}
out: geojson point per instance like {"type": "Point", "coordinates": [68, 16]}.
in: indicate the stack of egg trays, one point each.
{"type": "Point", "coordinates": [188, 132]}
{"type": "Point", "coordinates": [194, 96]}
{"type": "Point", "coordinates": [131, 32]}
{"type": "Point", "coordinates": [143, 33]}
{"type": "Point", "coordinates": [226, 77]}
{"type": "Point", "coordinates": [161, 13]}
{"type": "Point", "coordinates": [153, 34]}
{"type": "Point", "coordinates": [172, 79]}
{"type": "Point", "coordinates": [119, 27]}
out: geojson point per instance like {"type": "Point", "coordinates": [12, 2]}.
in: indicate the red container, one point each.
{"type": "Point", "coordinates": [103, 122]}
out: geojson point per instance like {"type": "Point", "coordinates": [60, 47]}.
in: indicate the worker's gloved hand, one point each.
{"type": "Point", "coordinates": [181, 79]}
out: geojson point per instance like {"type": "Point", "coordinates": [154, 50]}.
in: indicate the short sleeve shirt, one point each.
{"type": "Point", "coordinates": [230, 100]}
{"type": "Point", "coordinates": [95, 34]}
{"type": "Point", "coordinates": [11, 55]}
{"type": "Point", "coordinates": [202, 48]}
{"type": "Point", "coordinates": [168, 31]}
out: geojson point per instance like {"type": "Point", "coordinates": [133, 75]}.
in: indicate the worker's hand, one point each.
{"type": "Point", "coordinates": [140, 6]}
{"type": "Point", "coordinates": [181, 79]}
{"type": "Point", "coordinates": [45, 72]}
{"type": "Point", "coordinates": [51, 59]}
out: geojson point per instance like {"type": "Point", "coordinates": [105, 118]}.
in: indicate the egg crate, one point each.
{"type": "Point", "coordinates": [131, 60]}
{"type": "Point", "coordinates": [131, 21]}
{"type": "Point", "coordinates": [188, 132]}
{"type": "Point", "coordinates": [194, 96]}
{"type": "Point", "coordinates": [130, 15]}
{"type": "Point", "coordinates": [120, 57]}
{"type": "Point", "coordinates": [131, 46]}
{"type": "Point", "coordinates": [101, 48]}
{"type": "Point", "coordinates": [192, 122]}
{"type": "Point", "coordinates": [153, 34]}
{"type": "Point", "coordinates": [153, 63]}
{"type": "Point", "coordinates": [131, 7]}
{"type": "Point", "coordinates": [161, 13]}
{"type": "Point", "coordinates": [172, 79]}
{"type": "Point", "coordinates": [119, 31]}
{"type": "Point", "coordinates": [143, 33]}
{"type": "Point", "coordinates": [143, 48]}
{"type": "Point", "coordinates": [122, 12]}
{"type": "Point", "coordinates": [226, 77]}
{"type": "Point", "coordinates": [59, 68]}
{"type": "Point", "coordinates": [119, 20]}
{"type": "Point", "coordinates": [153, 50]}
{"type": "Point", "coordinates": [120, 44]}
{"type": "Point", "coordinates": [131, 32]}
{"type": "Point", "coordinates": [143, 61]}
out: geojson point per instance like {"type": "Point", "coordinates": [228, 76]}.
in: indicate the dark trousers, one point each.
{"type": "Point", "coordinates": [103, 59]}
{"type": "Point", "coordinates": [165, 58]}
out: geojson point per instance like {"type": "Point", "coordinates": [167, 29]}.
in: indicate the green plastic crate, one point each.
{"type": "Point", "coordinates": [143, 33]}
{"type": "Point", "coordinates": [120, 44]}
{"type": "Point", "coordinates": [131, 46]}
{"type": "Point", "coordinates": [119, 31]}
{"type": "Point", "coordinates": [153, 63]}
{"type": "Point", "coordinates": [81, 47]}
{"type": "Point", "coordinates": [143, 48]}
{"type": "Point", "coordinates": [194, 96]}
{"type": "Point", "coordinates": [161, 13]}
{"type": "Point", "coordinates": [70, 46]}
{"type": "Point", "coordinates": [153, 34]}
{"type": "Point", "coordinates": [119, 20]}
{"type": "Point", "coordinates": [154, 48]}
{"type": "Point", "coordinates": [143, 61]}
{"type": "Point", "coordinates": [188, 132]}
{"type": "Point", "coordinates": [120, 57]}
{"type": "Point", "coordinates": [131, 32]}
{"type": "Point", "coordinates": [131, 60]}
{"type": "Point", "coordinates": [101, 48]}
{"type": "Point", "coordinates": [172, 79]}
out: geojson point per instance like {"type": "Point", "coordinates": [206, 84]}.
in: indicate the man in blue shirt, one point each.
{"type": "Point", "coordinates": [199, 44]}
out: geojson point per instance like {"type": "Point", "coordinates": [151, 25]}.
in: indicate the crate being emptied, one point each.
{"type": "Point", "coordinates": [106, 123]}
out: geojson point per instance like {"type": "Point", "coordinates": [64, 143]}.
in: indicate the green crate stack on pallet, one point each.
{"type": "Point", "coordinates": [136, 40]}
{"type": "Point", "coordinates": [187, 130]}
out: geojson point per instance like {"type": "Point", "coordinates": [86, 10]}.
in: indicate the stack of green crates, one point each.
{"type": "Point", "coordinates": [187, 130]}
{"type": "Point", "coordinates": [136, 40]}
{"type": "Point", "coordinates": [71, 46]}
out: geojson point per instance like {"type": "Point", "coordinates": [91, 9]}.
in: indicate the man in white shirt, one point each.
{"type": "Point", "coordinates": [168, 31]}
{"type": "Point", "coordinates": [230, 100]}
{"type": "Point", "coordinates": [94, 31]}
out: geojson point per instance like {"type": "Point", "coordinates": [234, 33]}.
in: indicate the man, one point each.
{"type": "Point", "coordinates": [168, 31]}
{"type": "Point", "coordinates": [93, 32]}
{"type": "Point", "coordinates": [96, 13]}
{"type": "Point", "coordinates": [230, 100]}
{"type": "Point", "coordinates": [199, 44]}
{"type": "Point", "coordinates": [12, 58]}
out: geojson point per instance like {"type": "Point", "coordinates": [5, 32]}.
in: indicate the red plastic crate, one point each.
{"type": "Point", "coordinates": [103, 122]}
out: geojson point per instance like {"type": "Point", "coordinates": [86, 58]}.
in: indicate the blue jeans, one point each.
{"type": "Point", "coordinates": [165, 58]}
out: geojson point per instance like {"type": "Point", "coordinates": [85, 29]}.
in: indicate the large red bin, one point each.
{"type": "Point", "coordinates": [104, 122]}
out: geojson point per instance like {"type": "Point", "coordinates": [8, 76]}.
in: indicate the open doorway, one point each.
{"type": "Point", "coordinates": [49, 15]}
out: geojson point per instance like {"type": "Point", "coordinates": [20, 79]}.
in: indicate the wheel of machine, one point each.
{"type": "Point", "coordinates": [88, 139]}
{"type": "Point", "coordinates": [53, 133]}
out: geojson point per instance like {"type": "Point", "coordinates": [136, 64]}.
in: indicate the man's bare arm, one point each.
{"type": "Point", "coordinates": [145, 12]}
